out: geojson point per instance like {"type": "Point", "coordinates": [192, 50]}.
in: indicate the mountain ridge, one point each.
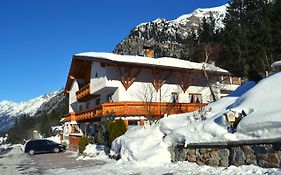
{"type": "Point", "coordinates": [167, 37]}
{"type": "Point", "coordinates": [10, 111]}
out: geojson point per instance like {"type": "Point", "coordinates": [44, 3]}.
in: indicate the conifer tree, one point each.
{"type": "Point", "coordinates": [247, 39]}
{"type": "Point", "coordinates": [275, 19]}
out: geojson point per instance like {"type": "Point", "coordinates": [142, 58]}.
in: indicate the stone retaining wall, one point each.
{"type": "Point", "coordinates": [263, 153]}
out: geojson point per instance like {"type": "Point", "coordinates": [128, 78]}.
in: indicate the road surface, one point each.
{"type": "Point", "coordinates": [16, 162]}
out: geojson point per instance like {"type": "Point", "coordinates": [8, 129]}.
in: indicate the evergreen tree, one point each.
{"type": "Point", "coordinates": [247, 40]}
{"type": "Point", "coordinates": [275, 19]}
{"type": "Point", "coordinates": [190, 47]}
{"type": "Point", "coordinates": [233, 58]}
{"type": "Point", "coordinates": [208, 40]}
{"type": "Point", "coordinates": [207, 30]}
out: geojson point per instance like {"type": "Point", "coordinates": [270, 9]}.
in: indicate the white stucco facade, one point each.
{"type": "Point", "coordinates": [109, 73]}
{"type": "Point", "coordinates": [72, 97]}
{"type": "Point", "coordinates": [106, 84]}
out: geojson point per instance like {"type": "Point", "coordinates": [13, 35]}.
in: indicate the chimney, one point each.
{"type": "Point", "coordinates": [148, 51]}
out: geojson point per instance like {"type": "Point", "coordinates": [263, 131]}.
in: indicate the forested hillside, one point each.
{"type": "Point", "coordinates": [246, 44]}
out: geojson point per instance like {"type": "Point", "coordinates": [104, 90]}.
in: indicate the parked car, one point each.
{"type": "Point", "coordinates": [42, 146]}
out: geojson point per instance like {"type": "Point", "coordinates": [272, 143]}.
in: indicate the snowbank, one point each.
{"type": "Point", "coordinates": [263, 105]}
{"type": "Point", "coordinates": [3, 140]}
{"type": "Point", "coordinates": [259, 103]}
{"type": "Point", "coordinates": [143, 145]}
{"type": "Point", "coordinates": [149, 144]}
{"type": "Point", "coordinates": [93, 150]}
{"type": "Point", "coordinates": [4, 148]}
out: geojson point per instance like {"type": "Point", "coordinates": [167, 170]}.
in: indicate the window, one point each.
{"type": "Point", "coordinates": [76, 129]}
{"type": "Point", "coordinates": [81, 107]}
{"type": "Point", "coordinates": [98, 101]}
{"type": "Point", "coordinates": [195, 98]}
{"type": "Point", "coordinates": [88, 105]}
{"type": "Point", "coordinates": [175, 97]}
{"type": "Point", "coordinates": [109, 98]}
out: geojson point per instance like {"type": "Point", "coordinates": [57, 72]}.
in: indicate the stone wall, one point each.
{"type": "Point", "coordinates": [263, 153]}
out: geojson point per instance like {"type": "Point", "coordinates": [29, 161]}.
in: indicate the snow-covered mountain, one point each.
{"type": "Point", "coordinates": [166, 37]}
{"type": "Point", "coordinates": [194, 18]}
{"type": "Point", "coordinates": [9, 110]}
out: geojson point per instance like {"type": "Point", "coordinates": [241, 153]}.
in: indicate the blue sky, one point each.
{"type": "Point", "coordinates": [39, 37]}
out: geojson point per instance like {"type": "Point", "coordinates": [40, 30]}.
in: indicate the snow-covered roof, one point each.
{"type": "Point", "coordinates": [163, 61]}
{"type": "Point", "coordinates": [80, 66]}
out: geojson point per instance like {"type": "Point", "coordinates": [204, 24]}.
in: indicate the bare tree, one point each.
{"type": "Point", "coordinates": [147, 94]}
{"type": "Point", "coordinates": [210, 50]}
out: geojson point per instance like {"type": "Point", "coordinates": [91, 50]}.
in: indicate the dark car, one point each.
{"type": "Point", "coordinates": [43, 146]}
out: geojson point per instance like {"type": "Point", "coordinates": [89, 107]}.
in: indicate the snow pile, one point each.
{"type": "Point", "coordinates": [149, 144]}
{"type": "Point", "coordinates": [262, 104]}
{"type": "Point", "coordinates": [142, 145]}
{"type": "Point", "coordinates": [3, 140]}
{"type": "Point", "coordinates": [4, 148]}
{"type": "Point", "coordinates": [94, 151]}
{"type": "Point", "coordinates": [262, 121]}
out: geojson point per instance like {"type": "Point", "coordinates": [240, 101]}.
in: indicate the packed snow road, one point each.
{"type": "Point", "coordinates": [16, 162]}
{"type": "Point", "coordinates": [58, 163]}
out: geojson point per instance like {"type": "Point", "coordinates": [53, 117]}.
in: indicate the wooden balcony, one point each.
{"type": "Point", "coordinates": [154, 109]}
{"type": "Point", "coordinates": [84, 94]}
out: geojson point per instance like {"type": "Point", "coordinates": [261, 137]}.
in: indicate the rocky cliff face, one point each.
{"type": "Point", "coordinates": [10, 111]}
{"type": "Point", "coordinates": [167, 38]}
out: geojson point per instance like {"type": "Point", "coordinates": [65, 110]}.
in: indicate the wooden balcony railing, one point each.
{"type": "Point", "coordinates": [154, 109]}
{"type": "Point", "coordinates": [67, 117]}
{"type": "Point", "coordinates": [83, 94]}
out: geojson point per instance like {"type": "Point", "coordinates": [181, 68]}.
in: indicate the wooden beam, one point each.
{"type": "Point", "coordinates": [126, 76]}
{"type": "Point", "coordinates": [186, 79]}
{"type": "Point", "coordinates": [71, 77]}
{"type": "Point", "coordinates": [159, 78]}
